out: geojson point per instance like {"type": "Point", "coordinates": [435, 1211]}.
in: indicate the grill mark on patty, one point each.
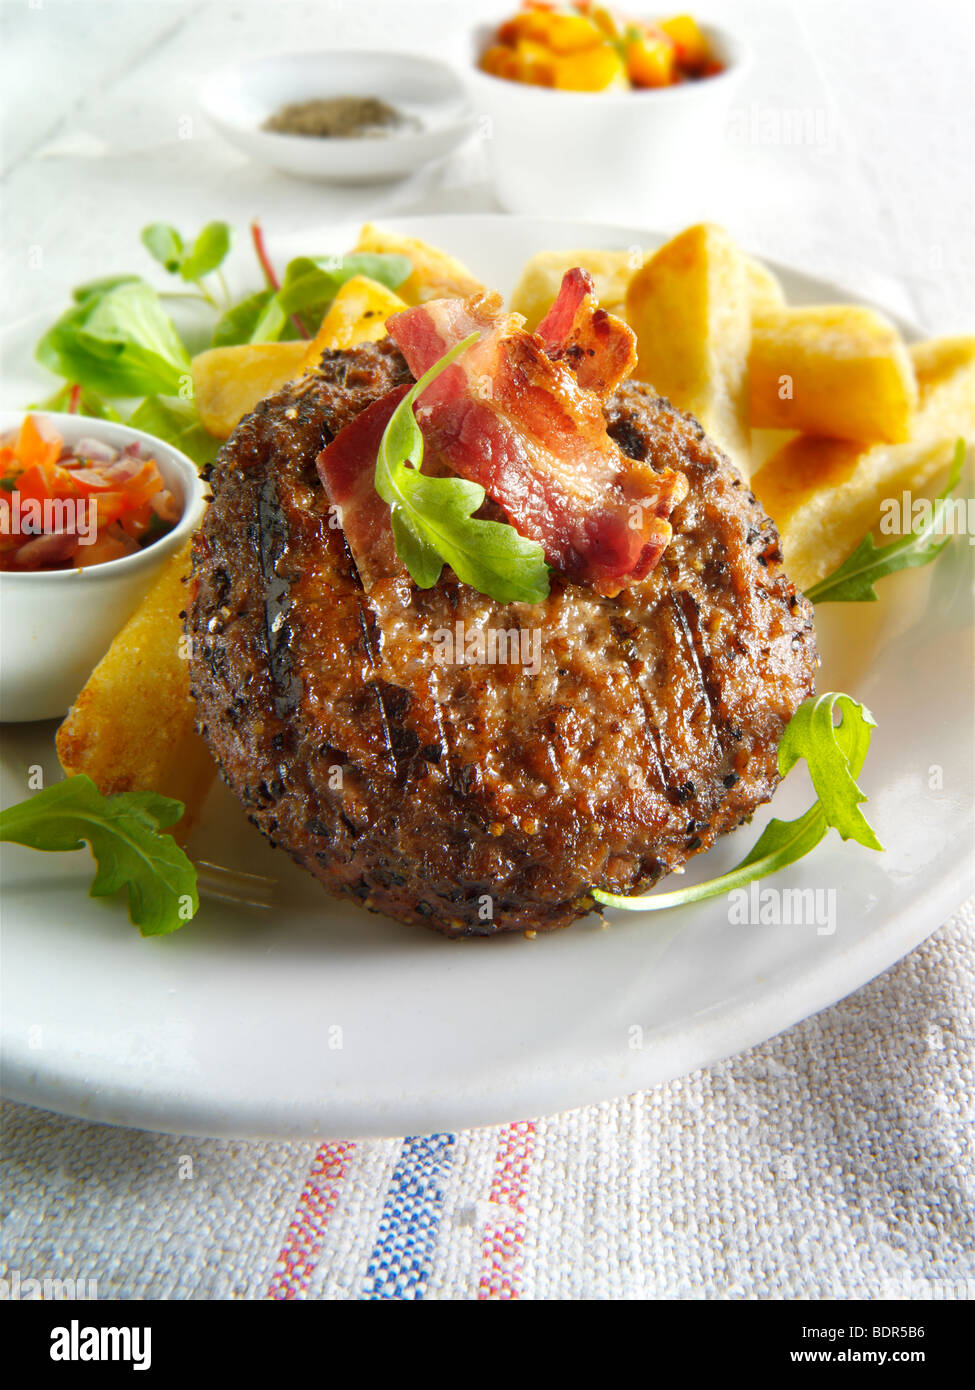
{"type": "Point", "coordinates": [438, 710]}
{"type": "Point", "coordinates": [370, 657]}
{"type": "Point", "coordinates": [687, 609]}
{"type": "Point", "coordinates": [691, 649]}
{"type": "Point", "coordinates": [652, 743]}
{"type": "Point", "coordinates": [272, 539]}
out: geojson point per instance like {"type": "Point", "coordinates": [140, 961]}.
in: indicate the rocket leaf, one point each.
{"type": "Point", "coordinates": [125, 836]}
{"type": "Point", "coordinates": [433, 521]}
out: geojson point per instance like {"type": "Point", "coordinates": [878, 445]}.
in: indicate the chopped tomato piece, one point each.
{"type": "Point", "coordinates": [36, 444]}
{"type": "Point", "coordinates": [51, 500]}
{"type": "Point", "coordinates": [110, 545]}
{"type": "Point", "coordinates": [34, 483]}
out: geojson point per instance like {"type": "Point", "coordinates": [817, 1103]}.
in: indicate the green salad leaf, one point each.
{"type": "Point", "coordinates": [206, 255]}
{"type": "Point", "coordinates": [86, 403]}
{"type": "Point", "coordinates": [834, 755]}
{"type": "Point", "coordinates": [208, 252]}
{"type": "Point", "coordinates": [853, 581]}
{"type": "Point", "coordinates": [177, 422]}
{"type": "Point", "coordinates": [117, 342]}
{"type": "Point", "coordinates": [125, 836]}
{"type": "Point", "coordinates": [311, 283]}
{"type": "Point", "coordinates": [238, 323]}
{"type": "Point", "coordinates": [164, 244]}
{"type": "Point", "coordinates": [432, 518]}
{"type": "Point", "coordinates": [92, 289]}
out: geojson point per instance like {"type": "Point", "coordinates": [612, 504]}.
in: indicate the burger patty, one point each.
{"type": "Point", "coordinates": [484, 796]}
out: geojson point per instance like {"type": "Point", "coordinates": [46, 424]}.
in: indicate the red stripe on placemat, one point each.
{"type": "Point", "coordinates": [303, 1242]}
{"type": "Point", "coordinates": [504, 1234]}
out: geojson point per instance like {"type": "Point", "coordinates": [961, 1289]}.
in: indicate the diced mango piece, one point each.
{"type": "Point", "coordinates": [605, 21]}
{"type": "Point", "coordinates": [651, 60]}
{"type": "Point", "coordinates": [357, 314]}
{"type": "Point", "coordinates": [593, 70]}
{"type": "Point", "coordinates": [516, 65]}
{"type": "Point", "coordinates": [556, 30]}
{"type": "Point", "coordinates": [228, 382]}
{"type": "Point", "coordinates": [692, 47]}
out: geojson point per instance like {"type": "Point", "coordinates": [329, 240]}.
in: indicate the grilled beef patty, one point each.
{"type": "Point", "coordinates": [480, 798]}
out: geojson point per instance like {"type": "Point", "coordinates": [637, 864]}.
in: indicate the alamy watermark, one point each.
{"type": "Point", "coordinates": [34, 516]}
{"type": "Point", "coordinates": [16, 1288]}
{"type": "Point", "coordinates": [812, 126]}
{"type": "Point", "coordinates": [757, 906]}
{"type": "Point", "coordinates": [488, 646]}
{"type": "Point", "coordinates": [899, 516]}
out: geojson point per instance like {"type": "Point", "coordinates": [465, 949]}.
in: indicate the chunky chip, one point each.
{"type": "Point", "coordinates": [542, 275]}
{"type": "Point", "coordinates": [228, 382]}
{"type": "Point", "coordinates": [435, 274]}
{"type": "Point", "coordinates": [357, 314]}
{"type": "Point", "coordinates": [690, 306]}
{"type": "Point", "coordinates": [839, 370]}
{"type": "Point", "coordinates": [133, 727]}
{"type": "Point", "coordinates": [826, 494]}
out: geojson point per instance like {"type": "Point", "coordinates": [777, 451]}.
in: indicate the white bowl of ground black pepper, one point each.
{"type": "Point", "coordinates": [340, 116]}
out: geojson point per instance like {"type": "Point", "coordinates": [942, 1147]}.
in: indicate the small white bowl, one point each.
{"type": "Point", "coordinates": [56, 625]}
{"type": "Point", "coordinates": [624, 156]}
{"type": "Point", "coordinates": [239, 99]}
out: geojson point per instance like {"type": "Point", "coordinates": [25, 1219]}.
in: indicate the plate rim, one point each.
{"type": "Point", "coordinates": [728, 1029]}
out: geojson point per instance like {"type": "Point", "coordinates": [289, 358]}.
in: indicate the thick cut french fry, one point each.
{"type": "Point", "coordinates": [542, 276]}
{"type": "Point", "coordinates": [228, 382]}
{"type": "Point", "coordinates": [357, 314]}
{"type": "Point", "coordinates": [133, 726]}
{"type": "Point", "coordinates": [839, 370]}
{"type": "Point", "coordinates": [691, 309]}
{"type": "Point", "coordinates": [435, 274]}
{"type": "Point", "coordinates": [612, 272]}
{"type": "Point", "coordinates": [764, 286]}
{"type": "Point", "coordinates": [945, 370]}
{"type": "Point", "coordinates": [826, 494]}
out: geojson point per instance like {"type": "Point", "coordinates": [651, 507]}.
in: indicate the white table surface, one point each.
{"type": "Point", "coordinates": [101, 134]}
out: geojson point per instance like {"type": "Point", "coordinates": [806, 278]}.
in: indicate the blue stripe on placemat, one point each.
{"type": "Point", "coordinates": [402, 1257]}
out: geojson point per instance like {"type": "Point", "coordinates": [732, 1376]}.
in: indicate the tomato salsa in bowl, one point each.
{"type": "Point", "coordinates": [90, 512]}
{"type": "Point", "coordinates": [65, 506]}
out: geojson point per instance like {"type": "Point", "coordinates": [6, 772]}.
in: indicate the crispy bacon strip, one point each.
{"type": "Point", "coordinates": [600, 348]}
{"type": "Point", "coordinates": [347, 468]}
{"type": "Point", "coordinates": [506, 416]}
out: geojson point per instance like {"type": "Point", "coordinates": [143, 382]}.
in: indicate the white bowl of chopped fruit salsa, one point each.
{"type": "Point", "coordinates": [90, 512]}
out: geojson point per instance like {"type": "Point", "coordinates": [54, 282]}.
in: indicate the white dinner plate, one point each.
{"type": "Point", "coordinates": [320, 1019]}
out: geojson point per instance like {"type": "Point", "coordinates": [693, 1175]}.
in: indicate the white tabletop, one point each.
{"type": "Point", "coordinates": [102, 134]}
